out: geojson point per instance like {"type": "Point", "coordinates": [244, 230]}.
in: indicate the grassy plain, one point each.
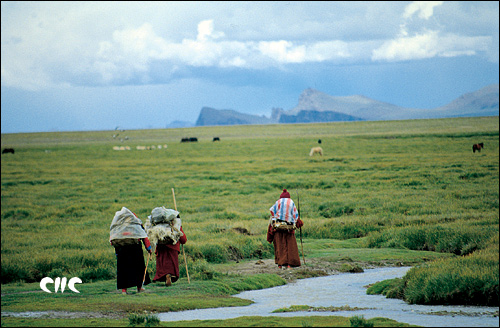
{"type": "Point", "coordinates": [402, 186]}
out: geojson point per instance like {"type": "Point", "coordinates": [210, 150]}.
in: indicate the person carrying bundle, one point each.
{"type": "Point", "coordinates": [281, 231]}
{"type": "Point", "coordinates": [165, 232]}
{"type": "Point", "coordinates": [126, 235]}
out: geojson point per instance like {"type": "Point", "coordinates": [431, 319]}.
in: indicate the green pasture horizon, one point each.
{"type": "Point", "coordinates": [379, 180]}
{"type": "Point", "coordinates": [304, 130]}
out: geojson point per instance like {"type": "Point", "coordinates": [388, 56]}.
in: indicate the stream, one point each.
{"type": "Point", "coordinates": [341, 290]}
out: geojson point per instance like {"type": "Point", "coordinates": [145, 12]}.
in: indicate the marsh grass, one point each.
{"type": "Point", "coordinates": [400, 184]}
{"type": "Point", "coordinates": [468, 280]}
{"type": "Point", "coordinates": [148, 320]}
{"type": "Point", "coordinates": [360, 321]}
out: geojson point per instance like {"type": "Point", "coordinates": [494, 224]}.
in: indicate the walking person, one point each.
{"type": "Point", "coordinates": [165, 230]}
{"type": "Point", "coordinates": [127, 235]}
{"type": "Point", "coordinates": [281, 231]}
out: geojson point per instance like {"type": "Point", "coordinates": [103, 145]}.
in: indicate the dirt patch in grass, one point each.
{"type": "Point", "coordinates": [312, 268]}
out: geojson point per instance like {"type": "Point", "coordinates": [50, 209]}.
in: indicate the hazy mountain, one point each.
{"type": "Point", "coordinates": [211, 116]}
{"type": "Point", "coordinates": [357, 106]}
{"type": "Point", "coordinates": [316, 106]}
{"type": "Point", "coordinates": [310, 116]}
{"type": "Point", "coordinates": [179, 124]}
{"type": "Point", "coordinates": [483, 102]}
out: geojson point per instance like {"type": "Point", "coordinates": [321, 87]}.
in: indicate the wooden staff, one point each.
{"type": "Point", "coordinates": [147, 262]}
{"type": "Point", "coordinates": [300, 229]}
{"type": "Point", "coordinates": [182, 246]}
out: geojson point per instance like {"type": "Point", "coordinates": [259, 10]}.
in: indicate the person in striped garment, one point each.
{"type": "Point", "coordinates": [281, 231]}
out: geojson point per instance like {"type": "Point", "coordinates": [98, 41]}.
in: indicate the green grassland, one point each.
{"type": "Point", "coordinates": [397, 186]}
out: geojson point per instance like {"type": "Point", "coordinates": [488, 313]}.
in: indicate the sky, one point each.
{"type": "Point", "coordinates": [90, 66]}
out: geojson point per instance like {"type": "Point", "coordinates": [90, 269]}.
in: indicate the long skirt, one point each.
{"type": "Point", "coordinates": [286, 251]}
{"type": "Point", "coordinates": [167, 262]}
{"type": "Point", "coordinates": [130, 266]}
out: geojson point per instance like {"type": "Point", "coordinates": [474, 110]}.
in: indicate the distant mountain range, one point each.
{"type": "Point", "coordinates": [315, 106]}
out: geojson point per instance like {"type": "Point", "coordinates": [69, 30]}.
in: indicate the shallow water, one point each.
{"type": "Point", "coordinates": [345, 289]}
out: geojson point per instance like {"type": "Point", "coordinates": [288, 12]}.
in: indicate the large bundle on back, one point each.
{"type": "Point", "coordinates": [163, 226]}
{"type": "Point", "coordinates": [284, 213]}
{"type": "Point", "coordinates": [126, 228]}
{"type": "Point", "coordinates": [283, 225]}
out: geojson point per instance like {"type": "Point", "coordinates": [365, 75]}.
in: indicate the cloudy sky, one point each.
{"type": "Point", "coordinates": [76, 66]}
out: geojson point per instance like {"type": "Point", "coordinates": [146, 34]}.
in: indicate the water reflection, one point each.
{"type": "Point", "coordinates": [345, 289]}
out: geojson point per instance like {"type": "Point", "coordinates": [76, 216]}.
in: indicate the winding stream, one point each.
{"type": "Point", "coordinates": [346, 289]}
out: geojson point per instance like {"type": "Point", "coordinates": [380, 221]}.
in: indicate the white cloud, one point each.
{"type": "Point", "coordinates": [282, 51]}
{"type": "Point", "coordinates": [206, 31]}
{"type": "Point", "coordinates": [419, 42]}
{"type": "Point", "coordinates": [46, 44]}
{"type": "Point", "coordinates": [430, 44]}
{"type": "Point", "coordinates": [131, 51]}
{"type": "Point", "coordinates": [425, 9]}
{"type": "Point", "coordinates": [405, 48]}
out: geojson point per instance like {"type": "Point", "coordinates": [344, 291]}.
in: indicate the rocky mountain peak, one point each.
{"type": "Point", "coordinates": [316, 106]}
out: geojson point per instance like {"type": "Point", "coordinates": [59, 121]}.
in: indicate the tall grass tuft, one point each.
{"type": "Point", "coordinates": [359, 321]}
{"type": "Point", "coordinates": [467, 280]}
{"type": "Point", "coordinates": [460, 238]}
{"type": "Point", "coordinates": [149, 320]}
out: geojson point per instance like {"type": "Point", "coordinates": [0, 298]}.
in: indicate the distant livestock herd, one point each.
{"type": "Point", "coordinates": [140, 147]}
{"type": "Point", "coordinates": [194, 139]}
{"type": "Point", "coordinates": [314, 150]}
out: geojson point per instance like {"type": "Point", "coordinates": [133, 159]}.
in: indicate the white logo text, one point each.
{"type": "Point", "coordinates": [60, 282]}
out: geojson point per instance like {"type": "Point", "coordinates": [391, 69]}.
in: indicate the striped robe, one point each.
{"type": "Point", "coordinates": [286, 251]}
{"type": "Point", "coordinates": [284, 210]}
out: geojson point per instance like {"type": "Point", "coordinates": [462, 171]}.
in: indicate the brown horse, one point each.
{"type": "Point", "coordinates": [477, 147]}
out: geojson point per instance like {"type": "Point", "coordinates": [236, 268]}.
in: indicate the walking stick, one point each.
{"type": "Point", "coordinates": [300, 229]}
{"type": "Point", "coordinates": [146, 270]}
{"type": "Point", "coordinates": [182, 246]}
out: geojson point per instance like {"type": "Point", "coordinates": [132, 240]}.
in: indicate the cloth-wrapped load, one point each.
{"type": "Point", "coordinates": [283, 225]}
{"type": "Point", "coordinates": [126, 228]}
{"type": "Point", "coordinates": [163, 226]}
{"type": "Point", "coordinates": [284, 214]}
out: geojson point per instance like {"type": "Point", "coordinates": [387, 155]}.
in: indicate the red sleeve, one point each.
{"type": "Point", "coordinates": [183, 239]}
{"type": "Point", "coordinates": [146, 243]}
{"type": "Point", "coordinates": [270, 234]}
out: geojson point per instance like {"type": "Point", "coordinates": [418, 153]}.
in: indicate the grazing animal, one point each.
{"type": "Point", "coordinates": [8, 150]}
{"type": "Point", "coordinates": [316, 150]}
{"type": "Point", "coordinates": [192, 139]}
{"type": "Point", "coordinates": [216, 139]}
{"type": "Point", "coordinates": [319, 141]}
{"type": "Point", "coordinates": [477, 147]}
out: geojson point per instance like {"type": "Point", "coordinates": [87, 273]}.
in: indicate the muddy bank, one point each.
{"type": "Point", "coordinates": [314, 267]}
